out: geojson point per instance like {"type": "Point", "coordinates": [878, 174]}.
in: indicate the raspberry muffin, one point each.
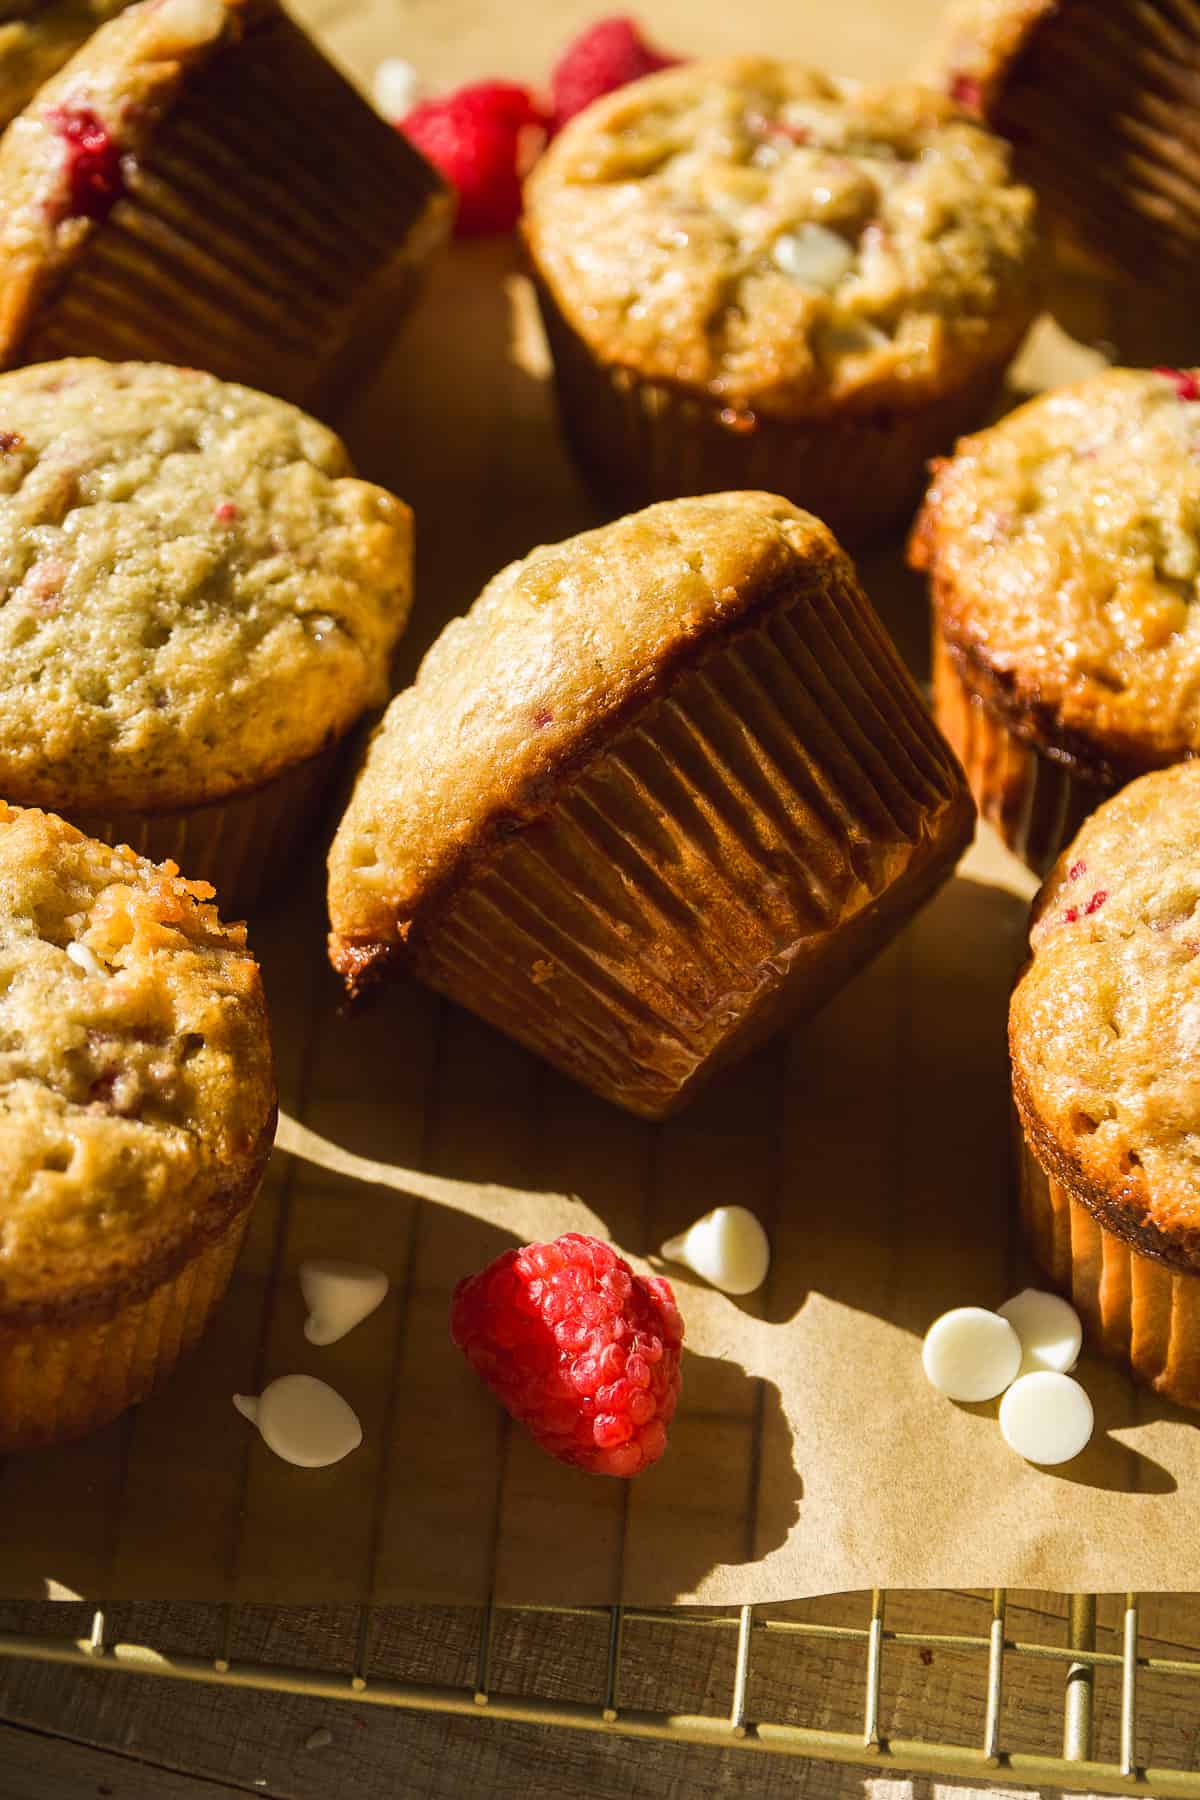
{"type": "Point", "coordinates": [664, 786]}
{"type": "Point", "coordinates": [1098, 100]}
{"type": "Point", "coordinates": [1104, 1033]}
{"type": "Point", "coordinates": [37, 37]}
{"type": "Point", "coordinates": [199, 185]}
{"type": "Point", "coordinates": [750, 273]}
{"type": "Point", "coordinates": [197, 601]}
{"type": "Point", "coordinates": [137, 1109]}
{"type": "Point", "coordinates": [1063, 550]}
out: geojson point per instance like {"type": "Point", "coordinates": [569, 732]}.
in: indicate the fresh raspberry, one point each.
{"type": "Point", "coordinates": [606, 56]}
{"type": "Point", "coordinates": [482, 139]}
{"type": "Point", "coordinates": [577, 1347]}
{"type": "Point", "coordinates": [1185, 382]}
{"type": "Point", "coordinates": [93, 162]}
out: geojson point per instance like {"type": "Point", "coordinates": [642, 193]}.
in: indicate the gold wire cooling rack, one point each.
{"type": "Point", "coordinates": [997, 1758]}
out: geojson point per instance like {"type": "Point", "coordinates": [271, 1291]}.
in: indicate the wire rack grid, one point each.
{"type": "Point", "coordinates": [1077, 1659]}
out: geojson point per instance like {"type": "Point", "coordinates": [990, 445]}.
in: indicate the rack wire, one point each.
{"type": "Point", "coordinates": [995, 1758]}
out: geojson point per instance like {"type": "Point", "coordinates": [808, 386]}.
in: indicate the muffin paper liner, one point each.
{"type": "Point", "coordinates": [1137, 1311]}
{"type": "Point", "coordinates": [1035, 804]}
{"type": "Point", "coordinates": [730, 860]}
{"type": "Point", "coordinates": [250, 243]}
{"type": "Point", "coordinates": [61, 1380]}
{"type": "Point", "coordinates": [1101, 107]}
{"type": "Point", "coordinates": [640, 440]}
{"type": "Point", "coordinates": [244, 844]}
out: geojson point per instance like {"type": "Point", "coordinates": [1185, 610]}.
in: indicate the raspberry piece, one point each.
{"type": "Point", "coordinates": [1185, 382]}
{"type": "Point", "coordinates": [1076, 870]}
{"type": "Point", "coordinates": [583, 1352]}
{"type": "Point", "coordinates": [603, 58]}
{"type": "Point", "coordinates": [93, 162]}
{"type": "Point", "coordinates": [1095, 903]}
{"type": "Point", "coordinates": [967, 92]}
{"type": "Point", "coordinates": [482, 138]}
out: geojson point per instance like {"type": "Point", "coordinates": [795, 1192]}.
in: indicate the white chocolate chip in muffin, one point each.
{"type": "Point", "coordinates": [396, 87]}
{"type": "Point", "coordinates": [86, 959]}
{"type": "Point", "coordinates": [813, 255]}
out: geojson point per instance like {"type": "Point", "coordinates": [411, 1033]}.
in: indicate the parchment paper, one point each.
{"type": "Point", "coordinates": [809, 1455]}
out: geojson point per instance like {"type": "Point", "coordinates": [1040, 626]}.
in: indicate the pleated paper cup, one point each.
{"type": "Point", "coordinates": [1036, 804]}
{"type": "Point", "coordinates": [246, 845]}
{"type": "Point", "coordinates": [272, 233]}
{"type": "Point", "coordinates": [747, 843]}
{"type": "Point", "coordinates": [73, 1369]}
{"type": "Point", "coordinates": [639, 440]}
{"type": "Point", "coordinates": [1140, 1312]}
{"type": "Point", "coordinates": [1100, 104]}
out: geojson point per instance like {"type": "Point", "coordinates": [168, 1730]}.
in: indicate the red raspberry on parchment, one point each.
{"type": "Point", "coordinates": [604, 57]}
{"type": "Point", "coordinates": [482, 138]}
{"type": "Point", "coordinates": [579, 1349]}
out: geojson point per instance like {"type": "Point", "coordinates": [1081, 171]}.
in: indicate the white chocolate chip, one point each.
{"type": "Point", "coordinates": [814, 255]}
{"type": "Point", "coordinates": [1047, 1418]}
{"type": "Point", "coordinates": [728, 1247]}
{"type": "Point", "coordinates": [86, 959]}
{"type": "Point", "coordinates": [303, 1420]}
{"type": "Point", "coordinates": [188, 22]}
{"type": "Point", "coordinates": [396, 87]}
{"type": "Point", "coordinates": [971, 1354]}
{"type": "Point", "coordinates": [339, 1296]}
{"type": "Point", "coordinates": [1049, 1329]}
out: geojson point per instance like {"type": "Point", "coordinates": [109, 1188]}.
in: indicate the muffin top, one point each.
{"type": "Point", "coordinates": [136, 1095]}
{"type": "Point", "coordinates": [194, 591]}
{"type": "Point", "coordinates": [62, 159]}
{"type": "Point", "coordinates": [555, 656]}
{"type": "Point", "coordinates": [784, 241]}
{"type": "Point", "coordinates": [37, 37]}
{"type": "Point", "coordinates": [1064, 550]}
{"type": "Point", "coordinates": [1105, 1022]}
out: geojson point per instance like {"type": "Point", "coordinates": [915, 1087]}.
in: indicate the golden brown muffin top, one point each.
{"type": "Point", "coordinates": [784, 241]}
{"type": "Point", "coordinates": [37, 37]}
{"type": "Point", "coordinates": [194, 592]}
{"type": "Point", "coordinates": [136, 1092]}
{"type": "Point", "coordinates": [1105, 1022]}
{"type": "Point", "coordinates": [553, 658]}
{"type": "Point", "coordinates": [61, 159]}
{"type": "Point", "coordinates": [1063, 546]}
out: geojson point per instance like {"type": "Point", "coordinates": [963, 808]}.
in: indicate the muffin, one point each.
{"type": "Point", "coordinates": [137, 1110]}
{"type": "Point", "coordinates": [37, 37]}
{"type": "Point", "coordinates": [752, 274]}
{"type": "Point", "coordinates": [662, 787]}
{"type": "Point", "coordinates": [197, 601]}
{"type": "Point", "coordinates": [1098, 100]}
{"type": "Point", "coordinates": [199, 185]}
{"type": "Point", "coordinates": [1104, 1033]}
{"type": "Point", "coordinates": [1063, 550]}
